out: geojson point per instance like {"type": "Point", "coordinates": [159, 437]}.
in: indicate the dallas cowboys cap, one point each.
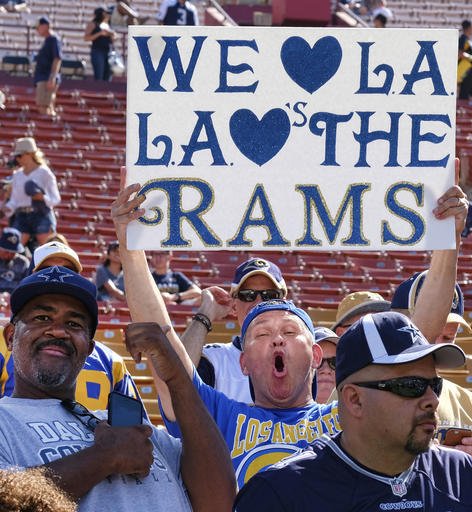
{"type": "Point", "coordinates": [58, 280]}
{"type": "Point", "coordinates": [407, 292]}
{"type": "Point", "coordinates": [274, 305]}
{"type": "Point", "coordinates": [389, 338]}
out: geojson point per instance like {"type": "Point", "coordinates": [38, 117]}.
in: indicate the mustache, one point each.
{"type": "Point", "coordinates": [427, 416]}
{"type": "Point", "coordinates": [57, 342]}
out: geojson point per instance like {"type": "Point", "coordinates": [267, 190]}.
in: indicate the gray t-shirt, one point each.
{"type": "Point", "coordinates": [36, 432]}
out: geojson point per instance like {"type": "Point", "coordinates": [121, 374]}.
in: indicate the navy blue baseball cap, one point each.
{"type": "Point", "coordinates": [44, 20]}
{"type": "Point", "coordinates": [389, 338]}
{"type": "Point", "coordinates": [10, 240]}
{"type": "Point", "coordinates": [274, 305]}
{"type": "Point", "coordinates": [258, 266]}
{"type": "Point", "coordinates": [407, 292]}
{"type": "Point", "coordinates": [58, 280]}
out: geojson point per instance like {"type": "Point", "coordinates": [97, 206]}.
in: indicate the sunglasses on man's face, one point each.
{"type": "Point", "coordinates": [331, 361]}
{"type": "Point", "coordinates": [251, 295]}
{"type": "Point", "coordinates": [407, 387]}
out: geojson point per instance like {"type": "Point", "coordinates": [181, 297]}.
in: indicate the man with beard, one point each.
{"type": "Point", "coordinates": [140, 467]}
{"type": "Point", "coordinates": [384, 459]}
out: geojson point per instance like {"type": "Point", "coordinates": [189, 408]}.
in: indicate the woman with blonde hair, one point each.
{"type": "Point", "coordinates": [34, 194]}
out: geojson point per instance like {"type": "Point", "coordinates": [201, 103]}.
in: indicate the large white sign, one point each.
{"type": "Point", "coordinates": [290, 138]}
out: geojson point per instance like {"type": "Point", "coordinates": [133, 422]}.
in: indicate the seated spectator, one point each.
{"type": "Point", "coordinates": [354, 306]}
{"type": "Point", "coordinates": [177, 12]}
{"type": "Point", "coordinates": [109, 276]}
{"type": "Point", "coordinates": [32, 491]}
{"type": "Point", "coordinates": [141, 467]}
{"type": "Point", "coordinates": [34, 194]}
{"type": "Point", "coordinates": [55, 253]}
{"type": "Point", "coordinates": [325, 376]}
{"type": "Point", "coordinates": [13, 264]}
{"type": "Point", "coordinates": [384, 459]}
{"type": "Point", "coordinates": [175, 287]}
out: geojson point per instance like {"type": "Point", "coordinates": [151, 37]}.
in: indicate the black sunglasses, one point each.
{"type": "Point", "coordinates": [251, 295]}
{"type": "Point", "coordinates": [407, 387]}
{"type": "Point", "coordinates": [331, 362]}
{"type": "Point", "coordinates": [82, 413]}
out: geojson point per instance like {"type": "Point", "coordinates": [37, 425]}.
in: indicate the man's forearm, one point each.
{"type": "Point", "coordinates": [435, 297]}
{"type": "Point", "coordinates": [77, 474]}
{"type": "Point", "coordinates": [56, 64]}
{"type": "Point", "coordinates": [146, 305]}
{"type": "Point", "coordinates": [212, 488]}
{"type": "Point", "coordinates": [193, 340]}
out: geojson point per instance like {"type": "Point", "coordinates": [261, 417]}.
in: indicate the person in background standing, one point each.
{"type": "Point", "coordinates": [98, 31]}
{"type": "Point", "coordinates": [48, 64]}
{"type": "Point", "coordinates": [177, 12]}
{"type": "Point", "coordinates": [34, 194]}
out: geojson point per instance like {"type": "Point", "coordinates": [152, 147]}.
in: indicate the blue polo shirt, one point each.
{"type": "Point", "coordinates": [50, 50]}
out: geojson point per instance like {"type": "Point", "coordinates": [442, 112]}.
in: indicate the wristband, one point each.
{"type": "Point", "coordinates": [203, 319]}
{"type": "Point", "coordinates": [178, 300]}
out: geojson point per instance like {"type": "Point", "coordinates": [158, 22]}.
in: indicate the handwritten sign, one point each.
{"type": "Point", "coordinates": [290, 138]}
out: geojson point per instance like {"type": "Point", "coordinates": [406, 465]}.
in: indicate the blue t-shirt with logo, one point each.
{"type": "Point", "coordinates": [258, 437]}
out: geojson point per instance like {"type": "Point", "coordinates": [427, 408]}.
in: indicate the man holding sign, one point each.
{"type": "Point", "coordinates": [280, 421]}
{"type": "Point", "coordinates": [266, 160]}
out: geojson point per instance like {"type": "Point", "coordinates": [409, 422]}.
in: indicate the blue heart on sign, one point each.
{"type": "Point", "coordinates": [308, 67]}
{"type": "Point", "coordinates": [259, 140]}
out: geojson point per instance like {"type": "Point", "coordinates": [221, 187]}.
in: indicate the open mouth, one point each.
{"type": "Point", "coordinates": [279, 363]}
{"type": "Point", "coordinates": [279, 366]}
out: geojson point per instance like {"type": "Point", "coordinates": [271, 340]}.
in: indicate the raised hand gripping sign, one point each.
{"type": "Point", "coordinates": [284, 138]}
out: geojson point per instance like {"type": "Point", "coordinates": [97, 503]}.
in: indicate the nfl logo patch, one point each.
{"type": "Point", "coordinates": [398, 487]}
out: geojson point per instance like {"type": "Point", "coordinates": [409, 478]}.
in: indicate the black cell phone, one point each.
{"type": "Point", "coordinates": [124, 411]}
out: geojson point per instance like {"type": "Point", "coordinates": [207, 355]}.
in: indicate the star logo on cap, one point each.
{"type": "Point", "coordinates": [416, 336]}
{"type": "Point", "coordinates": [54, 275]}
